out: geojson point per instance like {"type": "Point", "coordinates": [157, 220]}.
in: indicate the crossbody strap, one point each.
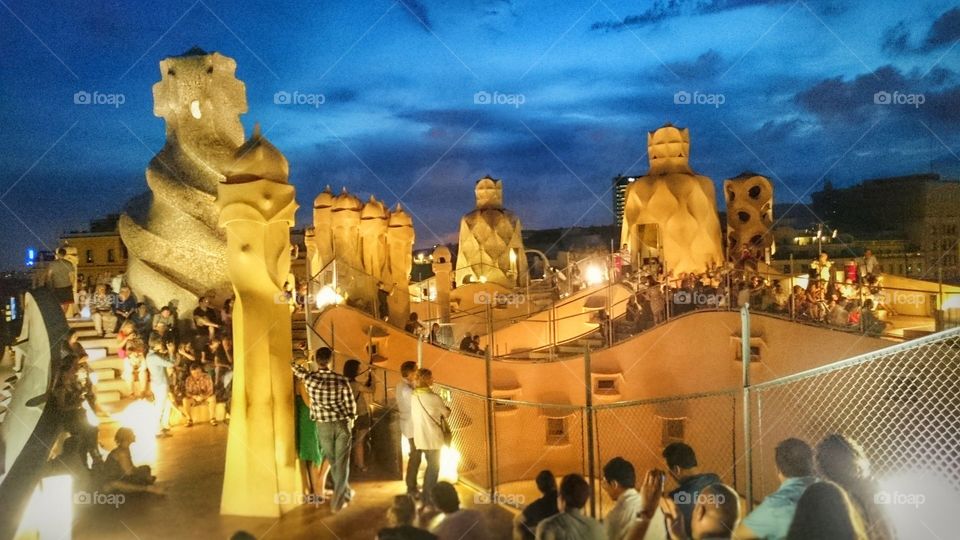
{"type": "Point", "coordinates": [438, 424]}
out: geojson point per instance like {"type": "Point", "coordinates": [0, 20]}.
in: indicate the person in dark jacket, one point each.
{"type": "Point", "coordinates": [682, 466]}
{"type": "Point", "coordinates": [525, 524]}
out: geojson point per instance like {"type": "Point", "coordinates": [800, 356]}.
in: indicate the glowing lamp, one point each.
{"type": "Point", "coordinates": [449, 461]}
{"type": "Point", "coordinates": [143, 418]}
{"type": "Point", "coordinates": [595, 275]}
{"type": "Point", "coordinates": [953, 302]}
{"type": "Point", "coordinates": [327, 296]}
{"type": "Point", "coordinates": [38, 521]}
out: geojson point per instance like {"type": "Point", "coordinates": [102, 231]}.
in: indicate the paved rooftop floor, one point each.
{"type": "Point", "coordinates": [190, 469]}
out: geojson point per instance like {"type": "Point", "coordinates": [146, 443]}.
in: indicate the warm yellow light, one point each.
{"type": "Point", "coordinates": [595, 275]}
{"type": "Point", "coordinates": [38, 519]}
{"type": "Point", "coordinates": [449, 461]}
{"type": "Point", "coordinates": [327, 296]}
{"type": "Point", "coordinates": [449, 464]}
{"type": "Point", "coordinates": [483, 279]}
{"type": "Point", "coordinates": [91, 416]}
{"type": "Point", "coordinates": [918, 500]}
{"type": "Point", "coordinates": [143, 418]}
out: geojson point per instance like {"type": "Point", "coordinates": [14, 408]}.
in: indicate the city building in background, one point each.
{"type": "Point", "coordinates": [914, 220]}
{"type": "Point", "coordinates": [620, 184]}
{"type": "Point", "coordinates": [100, 249]}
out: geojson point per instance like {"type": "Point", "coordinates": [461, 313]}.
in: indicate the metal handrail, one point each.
{"type": "Point", "coordinates": [860, 359]}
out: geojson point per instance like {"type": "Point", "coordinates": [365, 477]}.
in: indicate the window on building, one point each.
{"type": "Point", "coordinates": [754, 352]}
{"type": "Point", "coordinates": [671, 430]}
{"type": "Point", "coordinates": [89, 256]}
{"type": "Point", "coordinates": [111, 256]}
{"type": "Point", "coordinates": [606, 386]}
{"type": "Point", "coordinates": [557, 431]}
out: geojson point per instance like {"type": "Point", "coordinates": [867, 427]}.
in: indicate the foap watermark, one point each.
{"type": "Point", "coordinates": [498, 298]}
{"type": "Point", "coordinates": [82, 97]}
{"type": "Point", "coordinates": [95, 497]}
{"type": "Point", "coordinates": [287, 497]}
{"type": "Point", "coordinates": [697, 298]}
{"type": "Point", "coordinates": [896, 497]}
{"type": "Point", "coordinates": [682, 97]}
{"type": "Point", "coordinates": [297, 97]}
{"type": "Point", "coordinates": [507, 499]}
{"type": "Point", "coordinates": [685, 497]}
{"type": "Point", "coordinates": [902, 298]}
{"type": "Point", "coordinates": [497, 98]}
{"type": "Point", "coordinates": [899, 98]}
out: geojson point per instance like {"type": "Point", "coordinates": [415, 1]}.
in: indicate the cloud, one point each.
{"type": "Point", "coordinates": [896, 39]}
{"type": "Point", "coordinates": [866, 98]}
{"type": "Point", "coordinates": [707, 66]}
{"type": "Point", "coordinates": [776, 131]}
{"type": "Point", "coordinates": [663, 10]}
{"type": "Point", "coordinates": [497, 15]}
{"type": "Point", "coordinates": [418, 12]}
{"type": "Point", "coordinates": [944, 31]}
{"type": "Point", "coordinates": [658, 12]}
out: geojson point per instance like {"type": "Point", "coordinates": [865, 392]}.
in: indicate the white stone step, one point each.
{"type": "Point", "coordinates": [109, 343]}
{"type": "Point", "coordinates": [112, 361]}
{"type": "Point", "coordinates": [108, 396]}
{"type": "Point", "coordinates": [80, 323]}
{"type": "Point", "coordinates": [117, 384]}
{"type": "Point", "coordinates": [86, 333]}
{"type": "Point", "coordinates": [104, 374]}
{"type": "Point", "coordinates": [95, 353]}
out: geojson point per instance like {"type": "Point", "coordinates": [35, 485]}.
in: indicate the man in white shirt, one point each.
{"type": "Point", "coordinates": [408, 370]}
{"type": "Point", "coordinates": [869, 266]}
{"type": "Point", "coordinates": [822, 267]}
{"type": "Point", "coordinates": [619, 481]}
{"type": "Point", "coordinates": [428, 411]}
{"type": "Point", "coordinates": [457, 523]}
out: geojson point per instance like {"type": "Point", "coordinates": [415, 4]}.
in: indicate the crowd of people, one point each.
{"type": "Point", "coordinates": [824, 493]}
{"type": "Point", "coordinates": [854, 302]}
{"type": "Point", "coordinates": [177, 365]}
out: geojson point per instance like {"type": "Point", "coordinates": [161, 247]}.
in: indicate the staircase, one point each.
{"type": "Point", "coordinates": [299, 322]}
{"type": "Point", "coordinates": [8, 382]}
{"type": "Point", "coordinates": [104, 362]}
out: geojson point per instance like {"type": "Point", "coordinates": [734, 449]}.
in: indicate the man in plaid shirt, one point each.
{"type": "Point", "coordinates": [334, 408]}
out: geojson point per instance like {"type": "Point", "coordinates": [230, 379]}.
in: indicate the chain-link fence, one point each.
{"type": "Point", "coordinates": [531, 437]}
{"type": "Point", "coordinates": [902, 404]}
{"type": "Point", "coordinates": [638, 431]}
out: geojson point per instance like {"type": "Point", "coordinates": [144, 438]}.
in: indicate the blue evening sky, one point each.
{"type": "Point", "coordinates": [786, 89]}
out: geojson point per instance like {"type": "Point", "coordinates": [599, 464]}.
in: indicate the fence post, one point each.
{"type": "Point", "coordinates": [745, 359]}
{"type": "Point", "coordinates": [491, 440]}
{"type": "Point", "coordinates": [385, 389]}
{"type": "Point", "coordinates": [306, 305]}
{"type": "Point", "coordinates": [588, 413]}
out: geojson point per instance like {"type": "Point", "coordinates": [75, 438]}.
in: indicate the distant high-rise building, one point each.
{"type": "Point", "coordinates": [620, 184]}
{"type": "Point", "coordinates": [922, 210]}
